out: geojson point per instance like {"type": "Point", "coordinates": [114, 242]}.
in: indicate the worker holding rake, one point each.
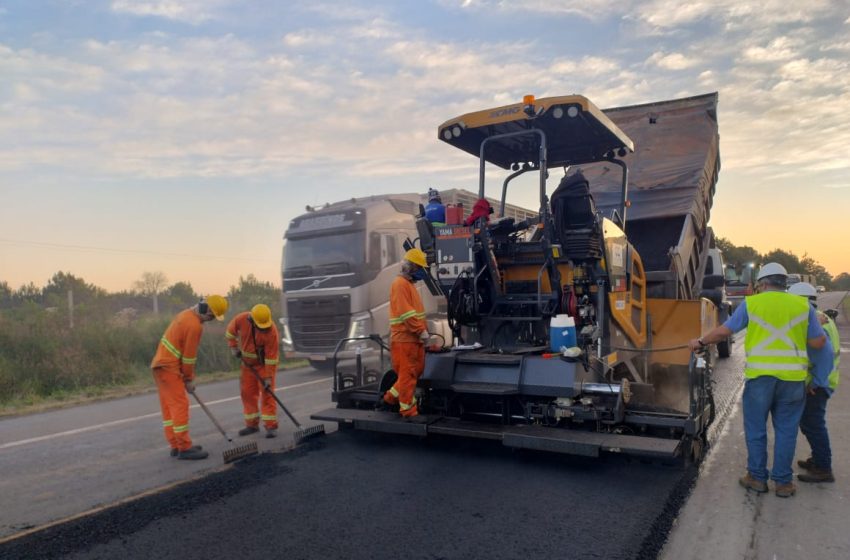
{"type": "Point", "coordinates": [253, 337]}
{"type": "Point", "coordinates": [173, 368]}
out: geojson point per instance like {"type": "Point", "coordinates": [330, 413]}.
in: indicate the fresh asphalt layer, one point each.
{"type": "Point", "coordinates": [63, 462]}
{"type": "Point", "coordinates": [360, 495]}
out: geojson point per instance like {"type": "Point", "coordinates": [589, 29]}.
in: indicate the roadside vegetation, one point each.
{"type": "Point", "coordinates": [55, 347]}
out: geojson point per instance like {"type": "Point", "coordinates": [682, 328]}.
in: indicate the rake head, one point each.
{"type": "Point", "coordinates": [307, 433]}
{"type": "Point", "coordinates": [240, 452]}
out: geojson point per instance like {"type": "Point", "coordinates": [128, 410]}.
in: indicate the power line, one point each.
{"type": "Point", "coordinates": [86, 248]}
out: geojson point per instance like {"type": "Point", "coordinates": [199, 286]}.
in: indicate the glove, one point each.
{"type": "Point", "coordinates": [237, 353]}
{"type": "Point", "coordinates": [190, 387]}
{"type": "Point", "coordinates": [424, 336]}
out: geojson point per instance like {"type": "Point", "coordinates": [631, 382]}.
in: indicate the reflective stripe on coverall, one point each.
{"type": "Point", "coordinates": [407, 322]}
{"type": "Point", "coordinates": [239, 334]}
{"type": "Point", "coordinates": [173, 365]}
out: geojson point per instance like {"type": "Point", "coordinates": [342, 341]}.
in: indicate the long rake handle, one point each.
{"type": "Point", "coordinates": [211, 417]}
{"type": "Point", "coordinates": [275, 397]}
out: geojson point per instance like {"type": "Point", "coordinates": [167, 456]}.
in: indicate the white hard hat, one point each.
{"type": "Point", "coordinates": [772, 269]}
{"type": "Point", "coordinates": [803, 289]}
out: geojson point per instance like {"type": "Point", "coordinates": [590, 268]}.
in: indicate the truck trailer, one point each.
{"type": "Point", "coordinates": [619, 248]}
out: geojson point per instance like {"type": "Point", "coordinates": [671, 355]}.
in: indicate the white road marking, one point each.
{"type": "Point", "coordinates": [142, 417]}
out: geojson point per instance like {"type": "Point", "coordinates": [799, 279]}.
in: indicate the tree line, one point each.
{"type": "Point", "coordinates": [52, 345]}
{"type": "Point", "coordinates": [742, 255]}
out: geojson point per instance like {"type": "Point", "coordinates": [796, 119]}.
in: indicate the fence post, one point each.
{"type": "Point", "coordinates": [71, 308]}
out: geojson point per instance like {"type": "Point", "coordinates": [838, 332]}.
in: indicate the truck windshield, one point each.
{"type": "Point", "coordinates": [327, 254]}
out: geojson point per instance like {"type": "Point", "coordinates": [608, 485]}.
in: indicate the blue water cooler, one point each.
{"type": "Point", "coordinates": [562, 332]}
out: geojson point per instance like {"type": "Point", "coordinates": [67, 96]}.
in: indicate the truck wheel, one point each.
{"type": "Point", "coordinates": [723, 349]}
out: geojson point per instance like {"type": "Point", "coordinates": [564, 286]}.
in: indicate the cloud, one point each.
{"type": "Point", "coordinates": [188, 11]}
{"type": "Point", "coordinates": [672, 61]}
{"type": "Point", "coordinates": [306, 38]}
{"type": "Point", "coordinates": [779, 49]}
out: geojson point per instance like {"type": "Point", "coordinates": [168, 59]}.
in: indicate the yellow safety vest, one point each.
{"type": "Point", "coordinates": [832, 333]}
{"type": "Point", "coordinates": [777, 329]}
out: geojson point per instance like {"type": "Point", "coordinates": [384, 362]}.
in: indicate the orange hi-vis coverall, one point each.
{"type": "Point", "coordinates": [407, 322]}
{"type": "Point", "coordinates": [173, 365]}
{"type": "Point", "coordinates": [259, 350]}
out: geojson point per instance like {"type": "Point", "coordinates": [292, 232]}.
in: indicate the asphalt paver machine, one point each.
{"type": "Point", "coordinates": [628, 384]}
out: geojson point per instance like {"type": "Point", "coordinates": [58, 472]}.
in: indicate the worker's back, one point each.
{"type": "Point", "coordinates": [777, 329]}
{"type": "Point", "coordinates": [406, 311]}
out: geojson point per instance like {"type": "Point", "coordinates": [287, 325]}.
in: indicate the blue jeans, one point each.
{"type": "Point", "coordinates": [784, 401]}
{"type": "Point", "coordinates": [813, 426]}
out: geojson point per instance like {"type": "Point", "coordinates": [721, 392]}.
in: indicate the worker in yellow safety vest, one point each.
{"type": "Point", "coordinates": [824, 380]}
{"type": "Point", "coordinates": [780, 327]}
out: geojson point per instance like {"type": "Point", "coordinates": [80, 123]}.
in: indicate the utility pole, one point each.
{"type": "Point", "coordinates": [155, 303]}
{"type": "Point", "coordinates": [71, 308]}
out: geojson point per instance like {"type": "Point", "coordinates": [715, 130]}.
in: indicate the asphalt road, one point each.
{"type": "Point", "coordinates": [60, 463]}
{"type": "Point", "coordinates": [358, 495]}
{"type": "Point", "coordinates": [348, 495]}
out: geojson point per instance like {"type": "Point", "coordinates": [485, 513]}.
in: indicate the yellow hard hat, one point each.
{"type": "Point", "coordinates": [218, 305]}
{"type": "Point", "coordinates": [262, 315]}
{"type": "Point", "coordinates": [416, 256]}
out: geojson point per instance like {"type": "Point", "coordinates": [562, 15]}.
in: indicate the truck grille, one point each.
{"type": "Point", "coordinates": [318, 323]}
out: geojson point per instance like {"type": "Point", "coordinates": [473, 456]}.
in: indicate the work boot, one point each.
{"type": "Point", "coordinates": [271, 433]}
{"type": "Point", "coordinates": [816, 474]}
{"type": "Point", "coordinates": [175, 451]}
{"type": "Point", "coordinates": [750, 483]}
{"type": "Point", "coordinates": [384, 406]}
{"type": "Point", "coordinates": [248, 430]}
{"type": "Point", "coordinates": [786, 490]}
{"type": "Point", "coordinates": [192, 454]}
{"type": "Point", "coordinates": [808, 464]}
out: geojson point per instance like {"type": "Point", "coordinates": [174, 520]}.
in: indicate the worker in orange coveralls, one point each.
{"type": "Point", "coordinates": [173, 368]}
{"type": "Point", "coordinates": [252, 336]}
{"type": "Point", "coordinates": [408, 335]}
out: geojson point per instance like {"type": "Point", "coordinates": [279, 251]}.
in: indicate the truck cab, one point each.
{"type": "Point", "coordinates": [337, 266]}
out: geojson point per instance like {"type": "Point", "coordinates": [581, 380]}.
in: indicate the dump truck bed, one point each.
{"type": "Point", "coordinates": [672, 177]}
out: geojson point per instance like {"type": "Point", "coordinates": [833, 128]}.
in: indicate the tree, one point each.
{"type": "Point", "coordinates": [180, 295]}
{"type": "Point", "coordinates": [786, 258]}
{"type": "Point", "coordinates": [811, 266]}
{"type": "Point", "coordinates": [5, 295]}
{"type": "Point", "coordinates": [28, 292]}
{"type": "Point", "coordinates": [55, 293]}
{"type": "Point", "coordinates": [151, 284]}
{"type": "Point", "coordinates": [737, 256]}
{"type": "Point", "coordinates": [841, 282]}
{"type": "Point", "coordinates": [250, 291]}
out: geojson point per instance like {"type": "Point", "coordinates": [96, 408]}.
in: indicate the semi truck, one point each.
{"type": "Point", "coordinates": [338, 263]}
{"type": "Point", "coordinates": [621, 249]}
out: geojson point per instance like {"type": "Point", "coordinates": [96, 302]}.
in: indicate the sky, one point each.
{"type": "Point", "coordinates": [183, 136]}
